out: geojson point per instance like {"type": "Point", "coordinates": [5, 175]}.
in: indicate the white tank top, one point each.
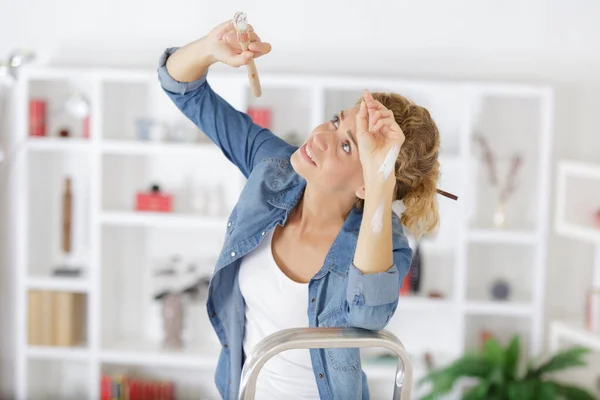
{"type": "Point", "coordinates": [275, 302]}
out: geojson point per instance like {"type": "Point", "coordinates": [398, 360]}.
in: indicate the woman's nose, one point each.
{"type": "Point", "coordinates": [320, 140]}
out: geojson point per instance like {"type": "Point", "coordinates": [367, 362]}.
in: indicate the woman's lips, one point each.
{"type": "Point", "coordinates": [305, 154]}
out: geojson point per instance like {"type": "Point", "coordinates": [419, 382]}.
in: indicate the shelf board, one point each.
{"type": "Point", "coordinates": [521, 309]}
{"type": "Point", "coordinates": [79, 353]}
{"type": "Point", "coordinates": [502, 236]}
{"type": "Point", "coordinates": [582, 169]}
{"type": "Point", "coordinates": [57, 144]}
{"type": "Point", "coordinates": [163, 220]}
{"type": "Point", "coordinates": [158, 148]}
{"type": "Point", "coordinates": [149, 354]}
{"type": "Point", "coordinates": [585, 233]}
{"type": "Point", "coordinates": [575, 333]}
{"type": "Point", "coordinates": [75, 284]}
{"type": "Point", "coordinates": [423, 303]}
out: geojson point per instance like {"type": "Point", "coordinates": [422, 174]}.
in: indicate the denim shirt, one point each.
{"type": "Point", "coordinates": [339, 295]}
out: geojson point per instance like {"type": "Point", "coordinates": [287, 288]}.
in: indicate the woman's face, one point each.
{"type": "Point", "coordinates": [329, 157]}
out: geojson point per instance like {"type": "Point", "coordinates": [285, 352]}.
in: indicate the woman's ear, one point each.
{"type": "Point", "coordinates": [360, 193]}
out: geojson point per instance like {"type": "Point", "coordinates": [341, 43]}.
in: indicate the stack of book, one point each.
{"type": "Point", "coordinates": [131, 388]}
{"type": "Point", "coordinates": [55, 318]}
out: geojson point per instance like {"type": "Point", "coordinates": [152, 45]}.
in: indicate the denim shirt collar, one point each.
{"type": "Point", "coordinates": [288, 194]}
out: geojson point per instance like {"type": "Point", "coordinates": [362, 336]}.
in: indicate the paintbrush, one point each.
{"type": "Point", "coordinates": [243, 36]}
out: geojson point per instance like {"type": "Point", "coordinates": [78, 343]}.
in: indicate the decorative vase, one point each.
{"type": "Point", "coordinates": [500, 290]}
{"type": "Point", "coordinates": [500, 216]}
{"type": "Point", "coordinates": [172, 318]}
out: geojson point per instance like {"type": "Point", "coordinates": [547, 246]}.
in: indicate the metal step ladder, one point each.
{"type": "Point", "coordinates": [321, 338]}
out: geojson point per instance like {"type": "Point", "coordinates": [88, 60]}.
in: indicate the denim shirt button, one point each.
{"type": "Point", "coordinates": [321, 376]}
{"type": "Point", "coordinates": [229, 224]}
{"type": "Point", "coordinates": [233, 254]}
{"type": "Point", "coordinates": [262, 234]}
{"type": "Point", "coordinates": [312, 300]}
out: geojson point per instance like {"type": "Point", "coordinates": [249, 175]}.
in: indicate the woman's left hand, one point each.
{"type": "Point", "coordinates": [379, 140]}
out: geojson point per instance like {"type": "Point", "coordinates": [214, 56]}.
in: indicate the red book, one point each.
{"type": "Point", "coordinates": [155, 390]}
{"type": "Point", "coordinates": [132, 390]}
{"type": "Point", "coordinates": [147, 390]}
{"type": "Point", "coordinates": [166, 391]}
{"type": "Point", "coordinates": [105, 388]}
{"type": "Point", "coordinates": [37, 117]}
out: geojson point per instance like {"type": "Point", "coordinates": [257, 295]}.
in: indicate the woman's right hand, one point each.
{"type": "Point", "coordinates": [223, 45]}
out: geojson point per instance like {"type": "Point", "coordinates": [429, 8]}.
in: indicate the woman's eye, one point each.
{"type": "Point", "coordinates": [335, 121]}
{"type": "Point", "coordinates": [346, 146]}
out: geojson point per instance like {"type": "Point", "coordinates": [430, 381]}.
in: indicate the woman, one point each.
{"type": "Point", "coordinates": [307, 244]}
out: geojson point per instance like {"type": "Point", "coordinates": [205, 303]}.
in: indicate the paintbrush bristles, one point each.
{"type": "Point", "coordinates": [240, 22]}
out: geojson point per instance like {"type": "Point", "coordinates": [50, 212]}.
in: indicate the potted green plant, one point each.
{"type": "Point", "coordinates": [496, 375]}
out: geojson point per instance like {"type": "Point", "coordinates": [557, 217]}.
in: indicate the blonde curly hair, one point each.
{"type": "Point", "coordinates": [417, 166]}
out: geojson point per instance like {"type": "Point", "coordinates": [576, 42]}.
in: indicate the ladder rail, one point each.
{"type": "Point", "coordinates": [320, 338]}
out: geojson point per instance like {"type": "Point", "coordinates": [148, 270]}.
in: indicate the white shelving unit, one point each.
{"type": "Point", "coordinates": [577, 201]}
{"type": "Point", "coordinates": [574, 333]}
{"type": "Point", "coordinates": [119, 248]}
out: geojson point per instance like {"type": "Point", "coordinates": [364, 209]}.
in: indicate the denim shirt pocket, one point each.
{"type": "Point", "coordinates": [341, 359]}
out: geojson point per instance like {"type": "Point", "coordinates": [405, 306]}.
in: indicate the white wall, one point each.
{"type": "Point", "coordinates": [534, 41]}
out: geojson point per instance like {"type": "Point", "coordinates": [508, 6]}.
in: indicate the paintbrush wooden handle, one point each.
{"type": "Point", "coordinates": [252, 74]}
{"type": "Point", "coordinates": [253, 78]}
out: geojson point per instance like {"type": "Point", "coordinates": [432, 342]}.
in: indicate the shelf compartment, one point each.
{"type": "Point", "coordinates": [56, 93]}
{"type": "Point", "coordinates": [58, 379]}
{"type": "Point", "coordinates": [578, 216]}
{"type": "Point", "coordinates": [290, 111]}
{"type": "Point", "coordinates": [201, 194]}
{"type": "Point", "coordinates": [47, 174]}
{"type": "Point", "coordinates": [189, 384]}
{"type": "Point", "coordinates": [419, 331]}
{"type": "Point", "coordinates": [502, 328]}
{"type": "Point", "coordinates": [491, 263]}
{"type": "Point", "coordinates": [130, 282]}
{"type": "Point", "coordinates": [510, 125]}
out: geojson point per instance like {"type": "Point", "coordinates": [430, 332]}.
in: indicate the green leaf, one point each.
{"type": "Point", "coordinates": [511, 357]}
{"type": "Point", "coordinates": [470, 365]}
{"type": "Point", "coordinates": [546, 391]}
{"type": "Point", "coordinates": [522, 390]}
{"type": "Point", "coordinates": [512, 392]}
{"type": "Point", "coordinates": [443, 380]}
{"type": "Point", "coordinates": [572, 357]}
{"type": "Point", "coordinates": [478, 392]}
{"type": "Point", "coordinates": [569, 392]}
{"type": "Point", "coordinates": [493, 352]}
{"type": "Point", "coordinates": [496, 377]}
